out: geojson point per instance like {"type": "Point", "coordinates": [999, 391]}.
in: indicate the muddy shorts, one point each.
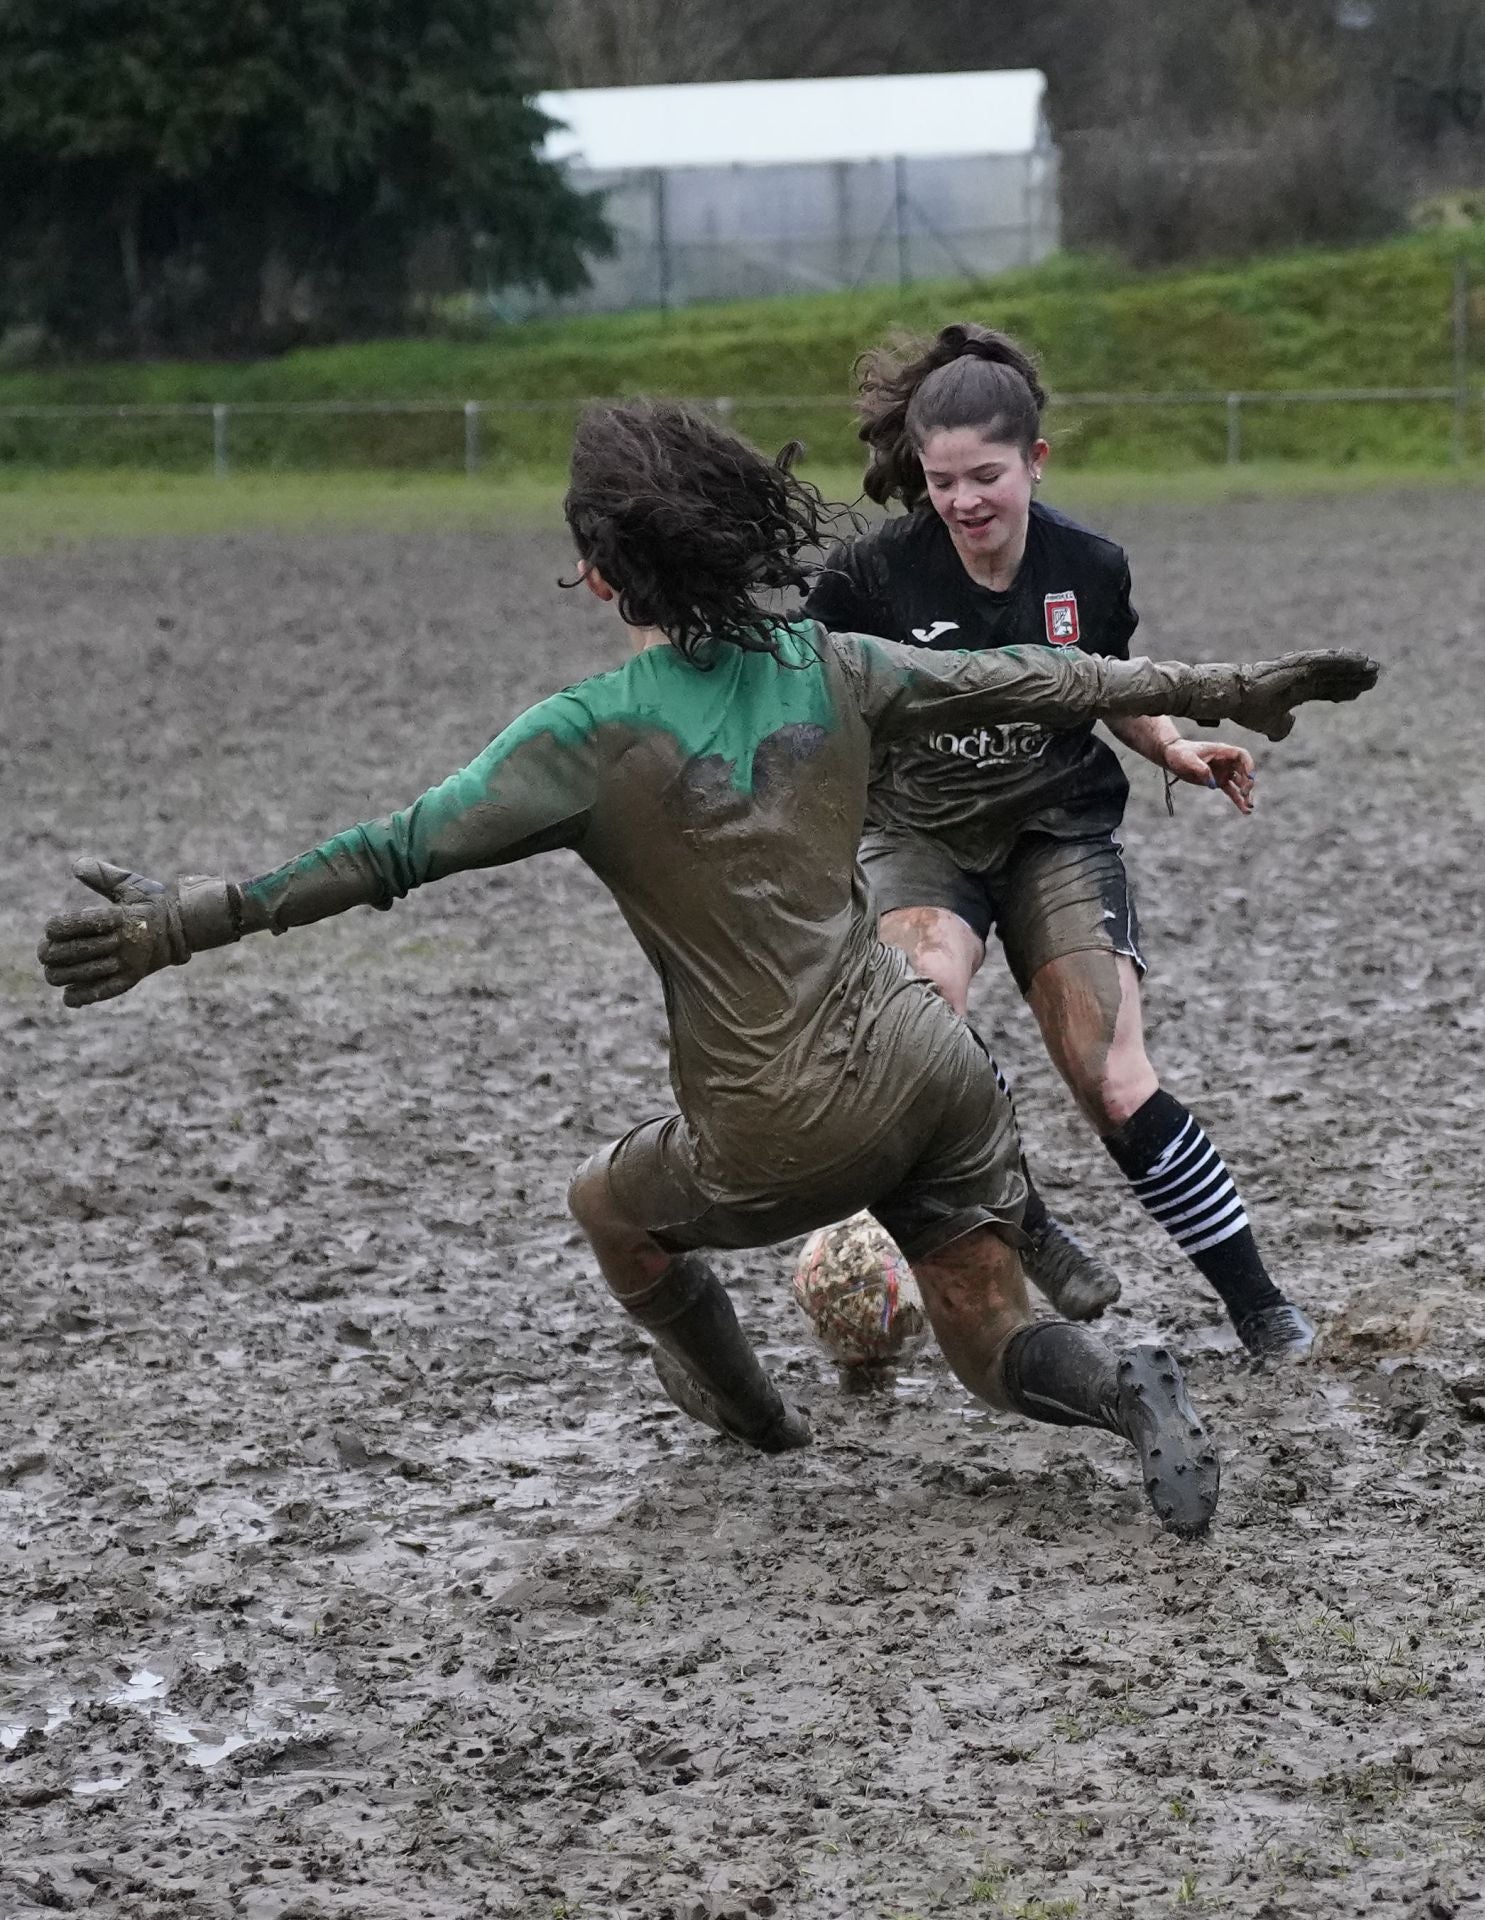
{"type": "Point", "coordinates": [951, 1162]}
{"type": "Point", "coordinates": [1047, 898]}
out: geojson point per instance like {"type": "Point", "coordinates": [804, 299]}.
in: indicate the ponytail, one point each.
{"type": "Point", "coordinates": [967, 376]}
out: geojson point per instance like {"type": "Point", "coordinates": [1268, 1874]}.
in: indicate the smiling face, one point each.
{"type": "Point", "coordinates": [981, 490]}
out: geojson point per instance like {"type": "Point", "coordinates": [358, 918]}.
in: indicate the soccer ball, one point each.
{"type": "Point", "coordinates": [854, 1287]}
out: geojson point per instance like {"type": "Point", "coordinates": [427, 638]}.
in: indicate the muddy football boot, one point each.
{"type": "Point", "coordinates": [1178, 1461]}
{"type": "Point", "coordinates": [786, 1430]}
{"type": "Point", "coordinates": [1068, 1377]}
{"type": "Point", "coordinates": [1277, 1333]}
{"type": "Point", "coordinates": [1078, 1284]}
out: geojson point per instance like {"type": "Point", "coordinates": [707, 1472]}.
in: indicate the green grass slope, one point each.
{"type": "Point", "coordinates": [1378, 316]}
{"type": "Point", "coordinates": [41, 509]}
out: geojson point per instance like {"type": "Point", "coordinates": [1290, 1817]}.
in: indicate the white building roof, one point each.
{"type": "Point", "coordinates": [781, 122]}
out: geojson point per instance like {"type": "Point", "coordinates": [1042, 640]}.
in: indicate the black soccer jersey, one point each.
{"type": "Point", "coordinates": [975, 790]}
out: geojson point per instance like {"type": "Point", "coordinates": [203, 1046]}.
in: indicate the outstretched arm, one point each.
{"type": "Point", "coordinates": [530, 790]}
{"type": "Point", "coordinates": [903, 690]}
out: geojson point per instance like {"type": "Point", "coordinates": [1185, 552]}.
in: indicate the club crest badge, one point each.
{"type": "Point", "coordinates": [1062, 619]}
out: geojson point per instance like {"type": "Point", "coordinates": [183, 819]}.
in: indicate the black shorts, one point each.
{"type": "Point", "coordinates": [1045, 899]}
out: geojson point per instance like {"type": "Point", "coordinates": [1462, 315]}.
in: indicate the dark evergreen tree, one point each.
{"type": "Point", "coordinates": [235, 174]}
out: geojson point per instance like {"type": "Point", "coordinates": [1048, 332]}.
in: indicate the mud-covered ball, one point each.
{"type": "Point", "coordinates": [858, 1294]}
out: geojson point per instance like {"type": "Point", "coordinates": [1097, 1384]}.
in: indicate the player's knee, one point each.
{"type": "Point", "coordinates": [1116, 1089]}
{"type": "Point", "coordinates": [939, 948]}
{"type": "Point", "coordinates": [587, 1193]}
{"type": "Point", "coordinates": [938, 969]}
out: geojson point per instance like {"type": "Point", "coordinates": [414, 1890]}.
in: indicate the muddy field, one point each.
{"type": "Point", "coordinates": [353, 1564]}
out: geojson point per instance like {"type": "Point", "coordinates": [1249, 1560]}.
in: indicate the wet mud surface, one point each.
{"type": "Point", "coordinates": [352, 1563]}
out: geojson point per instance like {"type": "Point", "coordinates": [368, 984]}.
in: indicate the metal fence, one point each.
{"type": "Point", "coordinates": [689, 234]}
{"type": "Point", "coordinates": [478, 435]}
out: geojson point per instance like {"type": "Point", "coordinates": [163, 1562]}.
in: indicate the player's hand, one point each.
{"type": "Point", "coordinates": [97, 953]}
{"type": "Point", "coordinates": [1269, 692]}
{"type": "Point", "coordinates": [1212, 763]}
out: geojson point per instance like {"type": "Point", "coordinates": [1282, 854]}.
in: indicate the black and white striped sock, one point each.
{"type": "Point", "coordinates": [1189, 1191]}
{"type": "Point", "coordinates": [1182, 1182]}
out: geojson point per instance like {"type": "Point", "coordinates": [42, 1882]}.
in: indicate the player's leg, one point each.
{"type": "Point", "coordinates": [941, 948]}
{"type": "Point", "coordinates": [1053, 1371]}
{"type": "Point", "coordinates": [954, 1216]}
{"type": "Point", "coordinates": [704, 1359]}
{"type": "Point", "coordinates": [1072, 1276]}
{"type": "Point", "coordinates": [944, 941]}
{"type": "Point", "coordinates": [1088, 1008]}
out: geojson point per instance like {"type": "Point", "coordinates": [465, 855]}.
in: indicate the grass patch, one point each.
{"type": "Point", "coordinates": [51, 509]}
{"type": "Point", "coordinates": [44, 510]}
{"type": "Point", "coordinates": [1374, 316]}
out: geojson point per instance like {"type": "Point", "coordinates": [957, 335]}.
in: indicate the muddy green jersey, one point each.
{"type": "Point", "coordinates": [722, 807]}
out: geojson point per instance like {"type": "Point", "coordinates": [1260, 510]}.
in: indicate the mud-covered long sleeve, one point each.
{"type": "Point", "coordinates": [529, 791]}
{"type": "Point", "coordinates": [904, 690]}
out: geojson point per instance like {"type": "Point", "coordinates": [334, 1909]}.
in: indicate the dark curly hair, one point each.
{"type": "Point", "coordinates": [966, 376]}
{"type": "Point", "coordinates": [689, 524]}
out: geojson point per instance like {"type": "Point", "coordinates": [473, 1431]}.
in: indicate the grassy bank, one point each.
{"type": "Point", "coordinates": [39, 510]}
{"type": "Point", "coordinates": [1378, 316]}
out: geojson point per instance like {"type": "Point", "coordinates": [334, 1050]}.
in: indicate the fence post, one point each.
{"type": "Point", "coordinates": [900, 220]}
{"type": "Point", "coordinates": [1234, 429]}
{"type": "Point", "coordinates": [471, 438]}
{"type": "Point", "coordinates": [219, 460]}
{"type": "Point", "coordinates": [1459, 417]}
{"type": "Point", "coordinates": [662, 242]}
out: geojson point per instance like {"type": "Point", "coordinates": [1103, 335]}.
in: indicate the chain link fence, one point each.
{"type": "Point", "coordinates": [475, 436]}
{"type": "Point", "coordinates": [729, 233]}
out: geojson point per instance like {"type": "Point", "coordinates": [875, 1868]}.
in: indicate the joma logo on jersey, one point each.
{"type": "Point", "coordinates": [1061, 610]}
{"type": "Point", "coordinates": [994, 746]}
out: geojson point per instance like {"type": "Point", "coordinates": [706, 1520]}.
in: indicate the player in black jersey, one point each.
{"type": "Point", "coordinates": [1016, 827]}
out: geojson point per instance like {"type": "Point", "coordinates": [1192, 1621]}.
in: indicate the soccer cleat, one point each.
{"type": "Point", "coordinates": [1078, 1284]}
{"type": "Point", "coordinates": [1178, 1461]}
{"type": "Point", "coordinates": [1277, 1333]}
{"type": "Point", "coordinates": [789, 1429]}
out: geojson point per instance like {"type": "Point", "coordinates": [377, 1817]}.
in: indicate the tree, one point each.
{"type": "Point", "coordinates": [631, 43]}
{"type": "Point", "coordinates": [234, 174]}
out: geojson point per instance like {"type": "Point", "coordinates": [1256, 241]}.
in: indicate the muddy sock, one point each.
{"type": "Point", "coordinates": [1181, 1181]}
{"type": "Point", "coordinates": [1056, 1372]}
{"type": "Point", "coordinates": [690, 1315]}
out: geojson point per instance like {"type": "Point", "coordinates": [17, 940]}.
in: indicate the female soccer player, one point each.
{"type": "Point", "coordinates": [716, 783]}
{"type": "Point", "coordinates": [1011, 824]}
